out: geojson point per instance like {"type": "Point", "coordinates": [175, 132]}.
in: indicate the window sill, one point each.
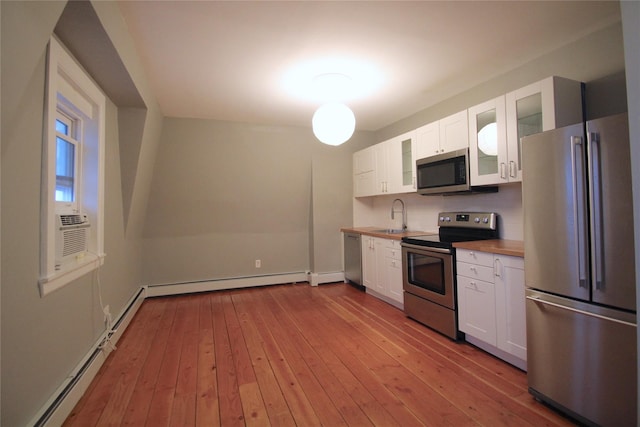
{"type": "Point", "coordinates": [70, 272]}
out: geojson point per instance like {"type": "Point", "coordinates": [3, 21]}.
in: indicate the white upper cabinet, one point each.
{"type": "Point", "coordinates": [364, 172]}
{"type": "Point", "coordinates": [497, 126]}
{"type": "Point", "coordinates": [442, 136]}
{"type": "Point", "coordinates": [401, 168]}
{"type": "Point", "coordinates": [548, 104]}
{"type": "Point", "coordinates": [388, 167]}
{"type": "Point", "coordinates": [428, 143]}
{"type": "Point", "coordinates": [488, 143]}
{"type": "Point", "coordinates": [364, 161]}
{"type": "Point", "coordinates": [454, 132]}
{"type": "Point", "coordinates": [492, 131]}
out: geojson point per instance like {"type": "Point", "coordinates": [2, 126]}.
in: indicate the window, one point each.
{"type": "Point", "coordinates": [66, 162]}
{"type": "Point", "coordinates": [72, 173]}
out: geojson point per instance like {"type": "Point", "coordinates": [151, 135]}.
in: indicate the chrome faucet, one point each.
{"type": "Point", "coordinates": [404, 213]}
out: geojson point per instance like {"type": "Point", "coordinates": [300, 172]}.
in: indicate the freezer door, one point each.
{"type": "Point", "coordinates": [581, 358]}
{"type": "Point", "coordinates": [611, 208]}
{"type": "Point", "coordinates": [555, 212]}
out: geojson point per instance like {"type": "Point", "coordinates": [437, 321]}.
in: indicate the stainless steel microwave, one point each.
{"type": "Point", "coordinates": [447, 173]}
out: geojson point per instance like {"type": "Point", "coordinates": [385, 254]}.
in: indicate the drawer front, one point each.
{"type": "Point", "coordinates": [394, 253]}
{"type": "Point", "coordinates": [511, 261]}
{"type": "Point", "coordinates": [475, 271]}
{"type": "Point", "coordinates": [474, 257]}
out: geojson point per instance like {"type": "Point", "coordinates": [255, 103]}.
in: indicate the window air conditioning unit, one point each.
{"type": "Point", "coordinates": [72, 236]}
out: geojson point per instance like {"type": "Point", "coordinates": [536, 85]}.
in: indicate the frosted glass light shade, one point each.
{"type": "Point", "coordinates": [488, 139]}
{"type": "Point", "coordinates": [333, 123]}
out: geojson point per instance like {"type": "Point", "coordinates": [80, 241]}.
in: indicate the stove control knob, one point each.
{"type": "Point", "coordinates": [447, 219]}
{"type": "Point", "coordinates": [477, 220]}
{"type": "Point", "coordinates": [441, 219]}
{"type": "Point", "coordinates": [486, 220]}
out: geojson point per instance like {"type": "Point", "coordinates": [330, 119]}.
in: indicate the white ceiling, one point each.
{"type": "Point", "coordinates": [228, 60]}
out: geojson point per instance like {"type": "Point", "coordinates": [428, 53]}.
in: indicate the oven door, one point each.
{"type": "Point", "coordinates": [428, 273]}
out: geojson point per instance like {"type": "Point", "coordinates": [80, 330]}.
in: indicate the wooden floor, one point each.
{"type": "Point", "coordinates": [296, 355]}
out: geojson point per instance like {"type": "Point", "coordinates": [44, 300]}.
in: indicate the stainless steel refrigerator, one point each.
{"type": "Point", "coordinates": [580, 271]}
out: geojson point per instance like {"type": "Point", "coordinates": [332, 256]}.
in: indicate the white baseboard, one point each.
{"type": "Point", "coordinates": [316, 279]}
{"type": "Point", "coordinates": [222, 284]}
{"type": "Point", "coordinates": [58, 408]}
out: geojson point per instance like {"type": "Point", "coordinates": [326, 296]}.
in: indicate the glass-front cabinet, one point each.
{"type": "Point", "coordinates": [548, 104]}
{"type": "Point", "coordinates": [388, 167]}
{"type": "Point", "coordinates": [524, 117]}
{"type": "Point", "coordinates": [488, 142]}
{"type": "Point", "coordinates": [492, 130]}
{"type": "Point", "coordinates": [496, 127]}
{"type": "Point", "coordinates": [402, 163]}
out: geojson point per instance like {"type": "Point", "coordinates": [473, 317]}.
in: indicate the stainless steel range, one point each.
{"type": "Point", "coordinates": [428, 268]}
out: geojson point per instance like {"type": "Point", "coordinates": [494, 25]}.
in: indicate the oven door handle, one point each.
{"type": "Point", "coordinates": [426, 248]}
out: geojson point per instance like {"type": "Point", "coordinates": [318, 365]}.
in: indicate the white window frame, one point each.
{"type": "Point", "coordinates": [74, 122]}
{"type": "Point", "coordinates": [71, 91]}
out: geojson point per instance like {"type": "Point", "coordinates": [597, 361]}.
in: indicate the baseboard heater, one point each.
{"type": "Point", "coordinates": [224, 284]}
{"type": "Point", "coordinates": [136, 300]}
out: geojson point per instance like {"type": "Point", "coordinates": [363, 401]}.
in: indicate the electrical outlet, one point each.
{"type": "Point", "coordinates": [258, 263]}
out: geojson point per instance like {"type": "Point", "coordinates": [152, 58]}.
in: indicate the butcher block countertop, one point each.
{"type": "Point", "coordinates": [378, 232]}
{"type": "Point", "coordinates": [496, 246]}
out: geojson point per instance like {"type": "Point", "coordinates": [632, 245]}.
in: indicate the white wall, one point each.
{"type": "Point", "coordinates": [226, 194]}
{"type": "Point", "coordinates": [422, 211]}
{"type": "Point", "coordinates": [44, 338]}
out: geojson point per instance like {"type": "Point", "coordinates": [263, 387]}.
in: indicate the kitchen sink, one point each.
{"type": "Point", "coordinates": [390, 231]}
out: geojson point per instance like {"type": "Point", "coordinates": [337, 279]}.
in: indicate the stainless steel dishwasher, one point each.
{"type": "Point", "coordinates": [352, 258]}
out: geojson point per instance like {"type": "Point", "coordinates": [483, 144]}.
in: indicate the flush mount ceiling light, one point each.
{"type": "Point", "coordinates": [332, 82]}
{"type": "Point", "coordinates": [303, 80]}
{"type": "Point", "coordinates": [332, 86]}
{"type": "Point", "coordinates": [333, 123]}
{"type": "Point", "coordinates": [488, 139]}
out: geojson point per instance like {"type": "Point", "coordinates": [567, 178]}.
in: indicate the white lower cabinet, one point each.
{"type": "Point", "coordinates": [382, 269]}
{"type": "Point", "coordinates": [369, 272]}
{"type": "Point", "coordinates": [393, 271]}
{"type": "Point", "coordinates": [510, 305]}
{"type": "Point", "coordinates": [491, 303]}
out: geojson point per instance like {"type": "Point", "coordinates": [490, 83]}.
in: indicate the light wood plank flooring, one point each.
{"type": "Point", "coordinates": [296, 355]}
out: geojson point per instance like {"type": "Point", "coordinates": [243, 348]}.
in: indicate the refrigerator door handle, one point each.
{"type": "Point", "coordinates": [595, 195]}
{"type": "Point", "coordinates": [578, 182]}
{"type": "Point", "coordinates": [575, 310]}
